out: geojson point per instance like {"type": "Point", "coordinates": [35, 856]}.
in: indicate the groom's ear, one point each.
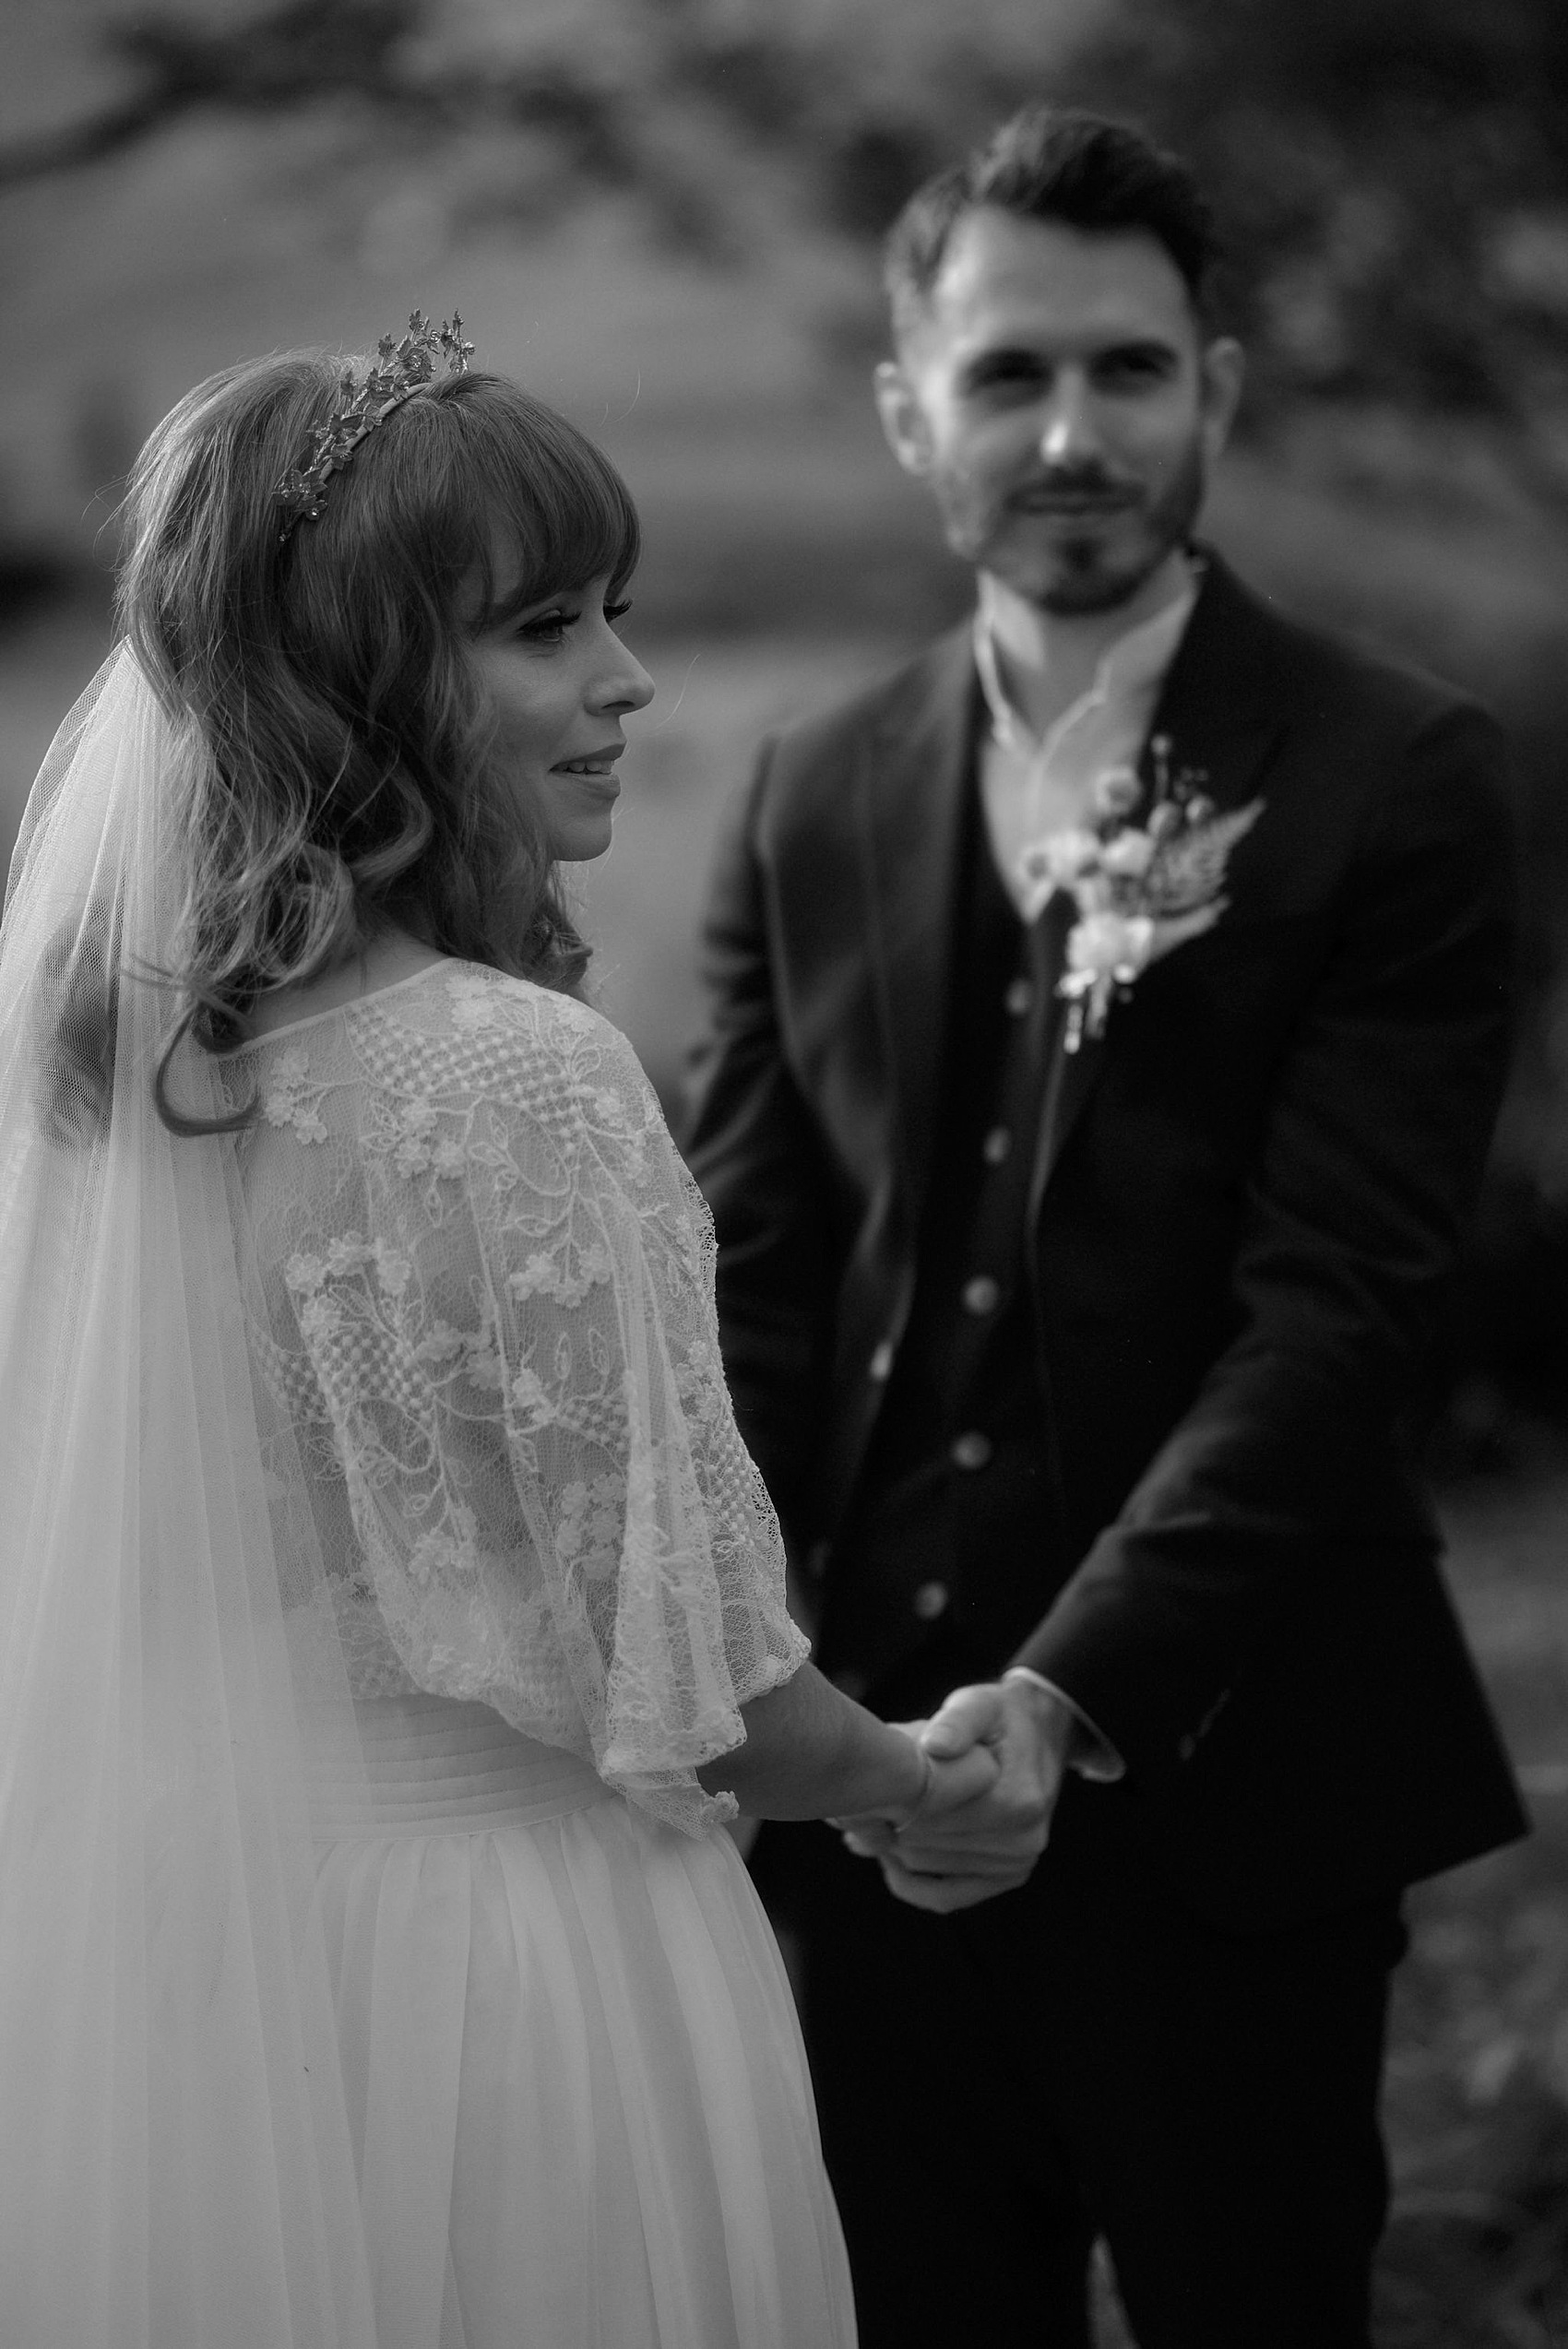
{"type": "Point", "coordinates": [1223, 365]}
{"type": "Point", "coordinates": [903, 419]}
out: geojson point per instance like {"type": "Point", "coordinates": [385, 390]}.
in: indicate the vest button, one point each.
{"type": "Point", "coordinates": [995, 1146]}
{"type": "Point", "coordinates": [930, 1601]}
{"type": "Point", "coordinates": [971, 1450]}
{"type": "Point", "coordinates": [1020, 996]}
{"type": "Point", "coordinates": [981, 1294]}
{"type": "Point", "coordinates": [880, 1367]}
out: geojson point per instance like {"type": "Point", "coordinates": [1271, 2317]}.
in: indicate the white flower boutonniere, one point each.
{"type": "Point", "coordinates": [1141, 889]}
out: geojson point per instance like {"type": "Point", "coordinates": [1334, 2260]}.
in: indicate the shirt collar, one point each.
{"type": "Point", "coordinates": [1129, 665]}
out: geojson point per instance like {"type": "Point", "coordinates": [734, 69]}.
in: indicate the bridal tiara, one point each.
{"type": "Point", "coordinates": [401, 369]}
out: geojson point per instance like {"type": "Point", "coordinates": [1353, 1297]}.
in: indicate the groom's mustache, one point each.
{"type": "Point", "coordinates": [1073, 489]}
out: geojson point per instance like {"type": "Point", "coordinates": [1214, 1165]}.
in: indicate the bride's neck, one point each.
{"type": "Point", "coordinates": [391, 957]}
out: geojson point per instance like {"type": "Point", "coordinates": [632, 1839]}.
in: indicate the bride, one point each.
{"type": "Point", "coordinates": [391, 1616]}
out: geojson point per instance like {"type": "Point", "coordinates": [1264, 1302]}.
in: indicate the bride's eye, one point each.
{"type": "Point", "coordinates": [548, 627]}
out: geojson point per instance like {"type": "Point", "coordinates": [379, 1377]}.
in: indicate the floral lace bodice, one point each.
{"type": "Point", "coordinates": [480, 1284]}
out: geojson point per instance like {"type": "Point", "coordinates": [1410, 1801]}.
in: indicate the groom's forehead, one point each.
{"type": "Point", "coordinates": [1044, 280]}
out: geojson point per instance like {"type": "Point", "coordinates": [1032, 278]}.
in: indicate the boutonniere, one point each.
{"type": "Point", "coordinates": [1141, 889]}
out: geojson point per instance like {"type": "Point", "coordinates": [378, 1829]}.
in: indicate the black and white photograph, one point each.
{"type": "Point", "coordinates": [784, 1174]}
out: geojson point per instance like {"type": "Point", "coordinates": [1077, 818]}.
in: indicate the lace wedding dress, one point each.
{"type": "Point", "coordinates": [478, 1297]}
{"type": "Point", "coordinates": [378, 1562]}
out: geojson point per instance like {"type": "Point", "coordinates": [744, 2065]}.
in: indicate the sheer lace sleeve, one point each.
{"type": "Point", "coordinates": [497, 1302]}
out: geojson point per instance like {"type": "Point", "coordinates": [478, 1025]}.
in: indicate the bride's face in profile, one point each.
{"type": "Point", "coordinates": [562, 682]}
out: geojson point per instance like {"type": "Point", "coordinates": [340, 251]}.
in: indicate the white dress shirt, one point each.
{"type": "Point", "coordinates": [1033, 784]}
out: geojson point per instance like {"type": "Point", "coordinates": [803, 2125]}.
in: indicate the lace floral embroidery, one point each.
{"type": "Point", "coordinates": [452, 1551]}
{"type": "Point", "coordinates": [699, 1381]}
{"type": "Point", "coordinates": [473, 1352]}
{"type": "Point", "coordinates": [292, 1099]}
{"type": "Point", "coordinates": [306, 1274]}
{"type": "Point", "coordinates": [473, 1001]}
{"type": "Point", "coordinates": [420, 1148]}
{"type": "Point", "coordinates": [487, 1316]}
{"type": "Point", "coordinates": [588, 1533]}
{"type": "Point", "coordinates": [544, 1276]}
{"type": "Point", "coordinates": [535, 1407]}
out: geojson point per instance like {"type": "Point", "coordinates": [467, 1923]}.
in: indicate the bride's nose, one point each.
{"type": "Point", "coordinates": [624, 684]}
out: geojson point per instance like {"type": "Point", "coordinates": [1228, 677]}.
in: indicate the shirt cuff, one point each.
{"type": "Point", "coordinates": [1090, 1750]}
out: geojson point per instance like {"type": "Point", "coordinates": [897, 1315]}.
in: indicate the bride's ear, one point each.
{"type": "Point", "coordinates": [903, 419]}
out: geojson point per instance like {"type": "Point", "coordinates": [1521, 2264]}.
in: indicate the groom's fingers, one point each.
{"type": "Point", "coordinates": [969, 1717]}
{"type": "Point", "coordinates": [943, 1894]}
{"type": "Point", "coordinates": [961, 1780]}
{"type": "Point", "coordinates": [994, 1855]}
{"type": "Point", "coordinates": [1028, 1742]}
{"type": "Point", "coordinates": [945, 1854]}
{"type": "Point", "coordinates": [981, 1826]}
{"type": "Point", "coordinates": [867, 1838]}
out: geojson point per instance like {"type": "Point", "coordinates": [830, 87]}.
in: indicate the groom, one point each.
{"type": "Point", "coordinates": [1108, 1018]}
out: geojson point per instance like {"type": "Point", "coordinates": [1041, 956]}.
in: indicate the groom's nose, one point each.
{"type": "Point", "coordinates": [1070, 428]}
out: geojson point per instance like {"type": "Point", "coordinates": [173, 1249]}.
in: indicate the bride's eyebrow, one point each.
{"type": "Point", "coordinates": [508, 609]}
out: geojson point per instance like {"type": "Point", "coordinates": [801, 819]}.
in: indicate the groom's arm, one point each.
{"type": "Point", "coordinates": [1372, 1160]}
{"type": "Point", "coordinates": [757, 1154]}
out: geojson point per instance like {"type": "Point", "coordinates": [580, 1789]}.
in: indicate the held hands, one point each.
{"type": "Point", "coordinates": [953, 1779]}
{"type": "Point", "coordinates": [998, 1750]}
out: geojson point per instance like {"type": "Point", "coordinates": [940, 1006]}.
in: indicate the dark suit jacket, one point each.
{"type": "Point", "coordinates": [1246, 1200]}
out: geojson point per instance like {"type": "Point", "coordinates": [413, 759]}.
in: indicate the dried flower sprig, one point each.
{"type": "Point", "coordinates": [402, 367]}
{"type": "Point", "coordinates": [1141, 890]}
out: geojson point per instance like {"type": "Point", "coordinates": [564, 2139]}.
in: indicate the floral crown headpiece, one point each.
{"type": "Point", "coordinates": [401, 369]}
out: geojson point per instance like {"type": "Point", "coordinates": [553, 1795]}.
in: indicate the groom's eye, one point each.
{"type": "Point", "coordinates": [1135, 365]}
{"type": "Point", "coordinates": [1003, 373]}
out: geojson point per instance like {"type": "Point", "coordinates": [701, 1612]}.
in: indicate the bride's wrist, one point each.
{"type": "Point", "coordinates": [908, 1817]}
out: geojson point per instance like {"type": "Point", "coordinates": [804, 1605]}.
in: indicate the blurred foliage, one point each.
{"type": "Point", "coordinates": [1393, 178]}
{"type": "Point", "coordinates": [1392, 173]}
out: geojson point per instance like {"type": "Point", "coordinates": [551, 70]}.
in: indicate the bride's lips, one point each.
{"type": "Point", "coordinates": [593, 766]}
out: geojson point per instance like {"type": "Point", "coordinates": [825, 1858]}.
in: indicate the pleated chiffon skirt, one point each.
{"type": "Point", "coordinates": [576, 2082]}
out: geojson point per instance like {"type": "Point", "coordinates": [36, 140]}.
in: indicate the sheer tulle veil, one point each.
{"type": "Point", "coordinates": [175, 2161]}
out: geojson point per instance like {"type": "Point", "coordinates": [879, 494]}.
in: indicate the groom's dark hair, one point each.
{"type": "Point", "coordinates": [1047, 164]}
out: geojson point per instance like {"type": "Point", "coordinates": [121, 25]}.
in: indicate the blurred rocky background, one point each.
{"type": "Point", "coordinates": [664, 215]}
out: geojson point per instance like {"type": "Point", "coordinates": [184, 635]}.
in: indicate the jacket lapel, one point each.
{"type": "Point", "coordinates": [1216, 713]}
{"type": "Point", "coordinates": [910, 784]}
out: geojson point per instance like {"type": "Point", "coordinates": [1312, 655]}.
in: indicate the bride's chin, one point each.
{"type": "Point", "coordinates": [582, 844]}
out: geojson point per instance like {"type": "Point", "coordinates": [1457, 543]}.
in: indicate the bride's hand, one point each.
{"type": "Point", "coordinates": [951, 1781]}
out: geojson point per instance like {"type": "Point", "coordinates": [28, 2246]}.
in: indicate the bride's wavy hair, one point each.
{"type": "Point", "coordinates": [335, 776]}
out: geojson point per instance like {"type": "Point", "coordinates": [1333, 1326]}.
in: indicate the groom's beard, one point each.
{"type": "Point", "coordinates": [1075, 539]}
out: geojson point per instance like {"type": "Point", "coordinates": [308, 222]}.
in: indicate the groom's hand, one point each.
{"type": "Point", "coordinates": [955, 1855]}
{"type": "Point", "coordinates": [955, 1777]}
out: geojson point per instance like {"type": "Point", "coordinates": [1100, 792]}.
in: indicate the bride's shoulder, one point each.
{"type": "Point", "coordinates": [513, 1037]}
{"type": "Point", "coordinates": [472, 999]}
